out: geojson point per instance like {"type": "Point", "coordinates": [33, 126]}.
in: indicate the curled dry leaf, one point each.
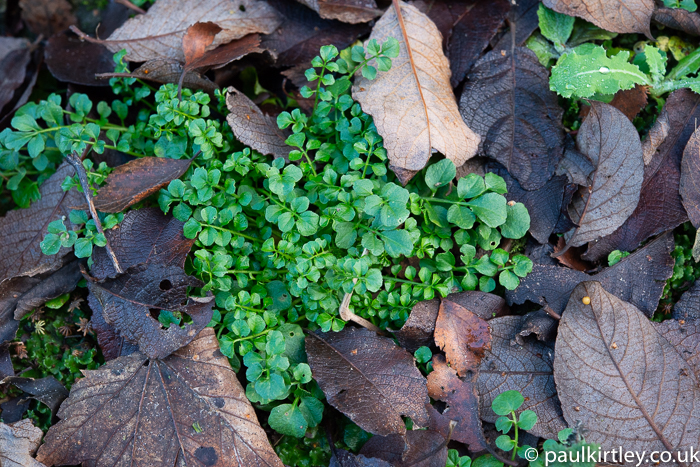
{"type": "Point", "coordinates": [253, 128]}
{"type": "Point", "coordinates": [347, 11]}
{"type": "Point", "coordinates": [22, 230]}
{"type": "Point", "coordinates": [539, 323]}
{"type": "Point", "coordinates": [227, 53]}
{"type": "Point", "coordinates": [47, 390]}
{"type": "Point", "coordinates": [369, 379]}
{"type": "Point", "coordinates": [462, 335]}
{"type": "Point", "coordinates": [18, 443]}
{"type": "Point", "coordinates": [678, 18]}
{"type": "Point", "coordinates": [690, 179]}
{"type": "Point", "coordinates": [462, 406]}
{"type": "Point", "coordinates": [198, 37]}
{"type": "Point", "coordinates": [419, 448]}
{"type": "Point", "coordinates": [418, 329]}
{"type": "Point", "coordinates": [612, 144]}
{"type": "Point", "coordinates": [167, 71]}
{"type": "Point", "coordinates": [685, 338]}
{"type": "Point", "coordinates": [132, 182]}
{"type": "Point", "coordinates": [135, 411]}
{"type": "Point", "coordinates": [626, 16]}
{"type": "Point", "coordinates": [639, 278]}
{"type": "Point", "coordinates": [626, 383]}
{"type": "Point", "coordinates": [507, 101]}
{"type": "Point", "coordinates": [15, 54]}
{"type": "Point", "coordinates": [47, 17]}
{"type": "Point", "coordinates": [688, 307]}
{"type": "Point", "coordinates": [75, 61]}
{"type": "Point", "coordinates": [660, 206]}
{"type": "Point", "coordinates": [413, 105]}
{"type": "Point", "coordinates": [159, 33]}
{"type": "Point", "coordinates": [526, 368]}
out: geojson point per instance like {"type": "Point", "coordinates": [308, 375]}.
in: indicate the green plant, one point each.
{"type": "Point", "coordinates": [615, 256]}
{"type": "Point", "coordinates": [685, 4]}
{"type": "Point", "coordinates": [506, 404]}
{"type": "Point", "coordinates": [571, 450]}
{"type": "Point", "coordinates": [455, 460]}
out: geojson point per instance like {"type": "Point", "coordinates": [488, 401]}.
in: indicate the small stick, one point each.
{"type": "Point", "coordinates": [551, 312]}
{"type": "Point", "coordinates": [76, 161]}
{"type": "Point", "coordinates": [130, 5]}
{"type": "Point", "coordinates": [348, 315]}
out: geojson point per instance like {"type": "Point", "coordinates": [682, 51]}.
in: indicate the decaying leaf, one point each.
{"type": "Point", "coordinates": [612, 144]}
{"type": "Point", "coordinates": [690, 179]}
{"type": "Point", "coordinates": [539, 323]}
{"type": "Point", "coordinates": [198, 37]}
{"type": "Point", "coordinates": [526, 368]}
{"type": "Point", "coordinates": [47, 17]}
{"type": "Point", "coordinates": [482, 304]}
{"type": "Point", "coordinates": [507, 101]}
{"type": "Point", "coordinates": [626, 383]}
{"type": "Point", "coordinates": [678, 18]}
{"type": "Point", "coordinates": [75, 61]}
{"type": "Point", "coordinates": [135, 411]}
{"type": "Point", "coordinates": [462, 406]}
{"type": "Point", "coordinates": [462, 335]}
{"type": "Point", "coordinates": [524, 15]}
{"type": "Point", "coordinates": [626, 16]}
{"type": "Point", "coordinates": [23, 229]}
{"type": "Point", "coordinates": [688, 307]}
{"type": "Point", "coordinates": [369, 379]}
{"type": "Point", "coordinates": [419, 448]}
{"type": "Point", "coordinates": [226, 53]}
{"type": "Point", "coordinates": [343, 458]}
{"type": "Point", "coordinates": [631, 101]}
{"type": "Point", "coordinates": [159, 33]}
{"type": "Point", "coordinates": [46, 390]}
{"type": "Point", "coordinates": [639, 279]}
{"type": "Point", "coordinates": [112, 344]}
{"type": "Point", "coordinates": [418, 329]}
{"type": "Point", "coordinates": [162, 70]}
{"type": "Point", "coordinates": [413, 105]}
{"type": "Point", "coordinates": [18, 443]}
{"type": "Point", "coordinates": [347, 11]}
{"type": "Point", "coordinates": [15, 54]}
{"type": "Point", "coordinates": [684, 335]}
{"type": "Point", "coordinates": [253, 128]}
{"type": "Point", "coordinates": [575, 165]}
{"type": "Point", "coordinates": [660, 206]}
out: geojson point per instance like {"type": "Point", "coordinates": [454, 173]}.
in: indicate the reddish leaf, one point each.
{"type": "Point", "coordinates": [570, 258]}
{"type": "Point", "coordinates": [418, 329]}
{"type": "Point", "coordinates": [631, 101]}
{"type": "Point", "coordinates": [484, 305]}
{"type": "Point", "coordinates": [227, 53]}
{"type": "Point", "coordinates": [198, 37]}
{"type": "Point", "coordinates": [130, 183]}
{"type": "Point", "coordinates": [462, 335]}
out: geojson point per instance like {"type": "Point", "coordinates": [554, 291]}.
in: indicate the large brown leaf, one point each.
{"type": "Point", "coordinates": [507, 101]}
{"type": "Point", "coordinates": [612, 144]}
{"type": "Point", "coordinates": [413, 105]}
{"type": "Point", "coordinates": [347, 11]}
{"type": "Point", "coordinates": [660, 207]}
{"type": "Point", "coordinates": [18, 443]}
{"type": "Point", "coordinates": [690, 179]}
{"type": "Point", "coordinates": [253, 128]}
{"type": "Point", "coordinates": [140, 412]}
{"type": "Point", "coordinates": [624, 16]}
{"type": "Point", "coordinates": [626, 383]}
{"type": "Point", "coordinates": [15, 54]}
{"type": "Point", "coordinates": [639, 278]}
{"type": "Point", "coordinates": [369, 379]}
{"type": "Point", "coordinates": [159, 32]}
{"type": "Point", "coordinates": [462, 335]}
{"type": "Point", "coordinates": [130, 183]}
{"type": "Point", "coordinates": [678, 18]}
{"type": "Point", "coordinates": [526, 368]}
{"type": "Point", "coordinates": [418, 329]}
{"type": "Point", "coordinates": [22, 230]}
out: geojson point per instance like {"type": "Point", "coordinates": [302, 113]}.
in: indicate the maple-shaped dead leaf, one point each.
{"type": "Point", "coordinates": [368, 378]}
{"type": "Point", "coordinates": [188, 409]}
{"type": "Point", "coordinates": [624, 381]}
{"type": "Point", "coordinates": [625, 16]}
{"type": "Point", "coordinates": [347, 11]}
{"type": "Point", "coordinates": [412, 104]}
{"type": "Point", "coordinates": [18, 443]}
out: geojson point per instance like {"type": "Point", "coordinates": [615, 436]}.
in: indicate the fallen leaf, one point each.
{"type": "Point", "coordinates": [347, 11]}
{"type": "Point", "coordinates": [159, 33]}
{"type": "Point", "coordinates": [422, 113]}
{"type": "Point", "coordinates": [6, 368]}
{"type": "Point", "coordinates": [23, 229]}
{"type": "Point", "coordinates": [419, 448]}
{"type": "Point", "coordinates": [690, 179]}
{"type": "Point", "coordinates": [111, 343]}
{"type": "Point", "coordinates": [47, 17]}
{"type": "Point", "coordinates": [368, 378]}
{"type": "Point", "coordinates": [507, 101]}
{"type": "Point", "coordinates": [570, 258]}
{"type": "Point", "coordinates": [462, 406]}
{"type": "Point", "coordinates": [167, 71]}
{"type": "Point", "coordinates": [15, 54]}
{"type": "Point", "coordinates": [631, 101]}
{"type": "Point", "coordinates": [14, 409]}
{"type": "Point", "coordinates": [136, 180]}
{"type": "Point", "coordinates": [227, 53]}
{"type": "Point", "coordinates": [128, 301]}
{"type": "Point", "coordinates": [418, 329]}
{"type": "Point", "coordinates": [656, 136]}
{"type": "Point", "coordinates": [678, 18]}
{"type": "Point", "coordinates": [660, 206]}
{"type": "Point", "coordinates": [539, 323]}
{"type": "Point", "coordinates": [47, 390]}
{"type": "Point", "coordinates": [254, 128]}
{"type": "Point", "coordinates": [524, 15]}
{"type": "Point", "coordinates": [526, 368]}
{"type": "Point", "coordinates": [575, 165]}
{"type": "Point", "coordinates": [72, 60]}
{"type": "Point", "coordinates": [482, 304]}
{"type": "Point", "coordinates": [626, 16]}
{"type": "Point", "coordinates": [462, 335]}
{"type": "Point", "coordinates": [639, 278]}
{"type": "Point", "coordinates": [135, 411]}
{"type": "Point", "coordinates": [612, 144]}
{"type": "Point", "coordinates": [343, 458]}
{"type": "Point", "coordinates": [685, 338]}
{"type": "Point", "coordinates": [618, 376]}
{"type": "Point", "coordinates": [688, 306]}
{"type": "Point", "coordinates": [198, 37]}
{"type": "Point", "coordinates": [18, 443]}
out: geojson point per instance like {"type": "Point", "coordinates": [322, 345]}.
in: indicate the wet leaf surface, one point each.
{"type": "Point", "coordinates": [507, 101]}
{"type": "Point", "coordinates": [140, 411]}
{"type": "Point", "coordinates": [74, 61]}
{"type": "Point", "coordinates": [18, 443]}
{"type": "Point", "coordinates": [678, 18]}
{"type": "Point", "coordinates": [623, 377]}
{"type": "Point", "coordinates": [369, 379]}
{"type": "Point", "coordinates": [526, 368]}
{"type": "Point", "coordinates": [420, 325]}
{"type": "Point", "coordinates": [15, 54]}
{"type": "Point", "coordinates": [47, 390]}
{"type": "Point", "coordinates": [347, 11]}
{"type": "Point", "coordinates": [422, 113]}
{"type": "Point", "coordinates": [132, 182]}
{"type": "Point", "coordinates": [47, 17]}
{"type": "Point", "coordinates": [625, 16]}
{"type": "Point", "coordinates": [420, 448]}
{"type": "Point", "coordinates": [462, 335]}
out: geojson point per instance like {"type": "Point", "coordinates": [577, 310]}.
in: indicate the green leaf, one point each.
{"type": "Point", "coordinates": [499, 257]}
{"type": "Point", "coordinates": [307, 223]}
{"type": "Point", "coordinates": [312, 410]}
{"type": "Point", "coordinates": [504, 443]}
{"type": "Point", "coordinates": [487, 461]}
{"type": "Point", "coordinates": [461, 216]}
{"type": "Point", "coordinates": [685, 4]}
{"type": "Point", "coordinates": [522, 265]}
{"type": "Point", "coordinates": [440, 174]}
{"type": "Point", "coordinates": [346, 234]}
{"type": "Point", "coordinates": [470, 186]}
{"type": "Point", "coordinates": [507, 402]}
{"type": "Point", "coordinates": [191, 228]}
{"type": "Point", "coordinates": [543, 49]}
{"type": "Point", "coordinates": [504, 424]}
{"type": "Point", "coordinates": [555, 26]}
{"type": "Point", "coordinates": [51, 244]}
{"type": "Point", "coordinates": [397, 243]}
{"type": "Point", "coordinates": [423, 355]}
{"type": "Point", "coordinates": [490, 208]}
{"type": "Point", "coordinates": [517, 221]}
{"type": "Point", "coordinates": [587, 70]}
{"type": "Point", "coordinates": [486, 267]}
{"type": "Point", "coordinates": [508, 280]}
{"type": "Point", "coordinates": [288, 420]}
{"type": "Point", "coordinates": [656, 60]}
{"type": "Point", "coordinates": [35, 146]}
{"type": "Point", "coordinates": [527, 420]}
{"type": "Point", "coordinates": [83, 247]}
{"type": "Point", "coordinates": [495, 183]}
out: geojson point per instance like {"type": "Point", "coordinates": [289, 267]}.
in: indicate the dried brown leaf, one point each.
{"type": "Point", "coordinates": [688, 307]}
{"type": "Point", "coordinates": [368, 378]}
{"type": "Point", "coordinates": [347, 11]}
{"type": "Point", "coordinates": [343, 458]}
{"type": "Point", "coordinates": [167, 71]}
{"type": "Point", "coordinates": [462, 335]}
{"type": "Point", "coordinates": [484, 305]}
{"type": "Point", "coordinates": [75, 61]}
{"type": "Point", "coordinates": [47, 390]}
{"type": "Point", "coordinates": [526, 368]}
{"type": "Point", "coordinates": [15, 54]}
{"type": "Point", "coordinates": [570, 258]}
{"type": "Point", "coordinates": [413, 105]}
{"type": "Point", "coordinates": [690, 179]}
{"type": "Point", "coordinates": [198, 37]}
{"type": "Point", "coordinates": [540, 323]}
{"type": "Point", "coordinates": [18, 443]}
{"type": "Point", "coordinates": [22, 230]}
{"type": "Point", "coordinates": [684, 335]}
{"type": "Point", "coordinates": [227, 53]}
{"type": "Point", "coordinates": [419, 448]}
{"type": "Point", "coordinates": [418, 329]}
{"type": "Point", "coordinates": [626, 383]}
{"type": "Point", "coordinates": [47, 17]}
{"type": "Point", "coordinates": [135, 411]}
{"type": "Point", "coordinates": [631, 101]}
{"type": "Point", "coordinates": [678, 18]}
{"type": "Point", "coordinates": [253, 128]}
{"type": "Point", "coordinates": [132, 182]}
{"type": "Point", "coordinates": [626, 16]}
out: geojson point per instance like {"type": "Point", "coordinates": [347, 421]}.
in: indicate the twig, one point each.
{"type": "Point", "coordinates": [130, 5]}
{"type": "Point", "coordinates": [76, 161]}
{"type": "Point", "coordinates": [551, 312]}
{"type": "Point", "coordinates": [348, 315]}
